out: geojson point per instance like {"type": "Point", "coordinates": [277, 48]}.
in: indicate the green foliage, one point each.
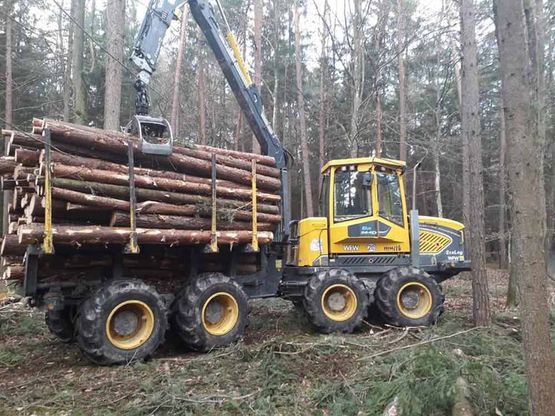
{"type": "Point", "coordinates": [28, 323]}
{"type": "Point", "coordinates": [282, 368]}
{"type": "Point", "coordinates": [10, 356]}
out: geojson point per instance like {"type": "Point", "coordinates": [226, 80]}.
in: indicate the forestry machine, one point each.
{"type": "Point", "coordinates": [364, 256]}
{"type": "Point", "coordinates": [365, 247]}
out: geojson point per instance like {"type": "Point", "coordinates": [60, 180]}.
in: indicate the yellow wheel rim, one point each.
{"type": "Point", "coordinates": [414, 300]}
{"type": "Point", "coordinates": [220, 314]}
{"type": "Point", "coordinates": [130, 324]}
{"type": "Point", "coordinates": [339, 302]}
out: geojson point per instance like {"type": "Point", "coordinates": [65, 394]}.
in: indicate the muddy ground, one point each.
{"type": "Point", "coordinates": [281, 368]}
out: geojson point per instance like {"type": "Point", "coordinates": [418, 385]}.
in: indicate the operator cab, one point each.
{"type": "Point", "coordinates": [362, 211]}
{"type": "Point", "coordinates": [364, 224]}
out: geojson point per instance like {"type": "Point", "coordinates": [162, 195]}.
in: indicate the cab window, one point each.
{"type": "Point", "coordinates": [352, 197]}
{"type": "Point", "coordinates": [324, 196]}
{"type": "Point", "coordinates": [389, 197]}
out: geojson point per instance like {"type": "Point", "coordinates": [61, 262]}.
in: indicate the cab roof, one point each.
{"type": "Point", "coordinates": [390, 163]}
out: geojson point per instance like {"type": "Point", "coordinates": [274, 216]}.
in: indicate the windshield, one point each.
{"type": "Point", "coordinates": [352, 198]}
{"type": "Point", "coordinates": [389, 197]}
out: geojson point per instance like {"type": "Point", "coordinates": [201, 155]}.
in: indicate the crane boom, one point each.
{"type": "Point", "coordinates": [145, 56]}
{"type": "Point", "coordinates": [247, 95]}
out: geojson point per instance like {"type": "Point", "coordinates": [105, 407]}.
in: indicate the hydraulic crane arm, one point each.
{"type": "Point", "coordinates": [247, 95]}
{"type": "Point", "coordinates": [145, 56]}
{"type": "Point", "coordinates": [234, 70]}
{"type": "Point", "coordinates": [146, 51]}
{"type": "Point", "coordinates": [148, 43]}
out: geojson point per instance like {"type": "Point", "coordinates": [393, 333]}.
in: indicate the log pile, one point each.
{"type": "Point", "coordinates": [91, 206]}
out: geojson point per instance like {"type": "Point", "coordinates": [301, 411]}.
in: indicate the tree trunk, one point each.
{"type": "Point", "coordinates": [115, 25]}
{"type": "Point", "coordinates": [534, 11]}
{"type": "Point", "coordinates": [157, 221]}
{"type": "Point", "coordinates": [8, 106]}
{"type": "Point", "coordinates": [8, 109]}
{"type": "Point", "coordinates": [178, 69]}
{"type": "Point", "coordinates": [378, 123]}
{"type": "Point", "coordinates": [7, 165]}
{"type": "Point", "coordinates": [79, 93]}
{"type": "Point", "coordinates": [437, 144]}
{"type": "Point", "coordinates": [524, 156]}
{"type": "Point", "coordinates": [474, 188]}
{"type": "Point", "coordinates": [502, 193]}
{"type": "Point", "coordinates": [201, 91]}
{"type": "Point", "coordinates": [101, 195]}
{"type": "Point", "coordinates": [302, 121]}
{"type": "Point", "coordinates": [322, 117]}
{"type": "Point", "coordinates": [144, 181]}
{"type": "Point", "coordinates": [258, 17]}
{"type": "Point", "coordinates": [358, 76]}
{"type": "Point", "coordinates": [401, 46]}
{"type": "Point", "coordinates": [66, 94]}
{"type": "Point", "coordinates": [103, 142]}
{"type": "Point", "coordinates": [32, 234]}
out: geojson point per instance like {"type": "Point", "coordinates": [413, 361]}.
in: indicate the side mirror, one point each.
{"type": "Point", "coordinates": [367, 180]}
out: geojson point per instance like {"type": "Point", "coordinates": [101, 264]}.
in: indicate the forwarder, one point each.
{"type": "Point", "coordinates": [365, 252]}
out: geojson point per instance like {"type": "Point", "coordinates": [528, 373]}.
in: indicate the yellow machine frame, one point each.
{"type": "Point", "coordinates": [323, 236]}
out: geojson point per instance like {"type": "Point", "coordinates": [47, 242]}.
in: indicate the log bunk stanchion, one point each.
{"type": "Point", "coordinates": [254, 242]}
{"type": "Point", "coordinates": [213, 247]}
{"type": "Point", "coordinates": [133, 246]}
{"type": "Point", "coordinates": [33, 252]}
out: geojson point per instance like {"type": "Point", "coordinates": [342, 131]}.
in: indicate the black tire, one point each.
{"type": "Point", "coordinates": [298, 304]}
{"type": "Point", "coordinates": [350, 290]}
{"type": "Point", "coordinates": [189, 312]}
{"type": "Point", "coordinates": [60, 322]}
{"type": "Point", "coordinates": [97, 313]}
{"type": "Point", "coordinates": [422, 291]}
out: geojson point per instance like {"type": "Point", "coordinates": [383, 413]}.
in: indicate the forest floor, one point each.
{"type": "Point", "coordinates": [282, 368]}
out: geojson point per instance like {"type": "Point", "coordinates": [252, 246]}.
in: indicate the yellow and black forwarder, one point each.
{"type": "Point", "coordinates": [366, 249]}
{"type": "Point", "coordinates": [365, 252]}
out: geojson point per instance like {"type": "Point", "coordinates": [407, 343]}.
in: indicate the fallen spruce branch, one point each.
{"type": "Point", "coordinates": [417, 344]}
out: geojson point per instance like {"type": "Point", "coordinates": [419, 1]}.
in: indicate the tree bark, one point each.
{"type": "Point", "coordinates": [322, 116]}
{"type": "Point", "coordinates": [79, 93]}
{"type": "Point", "coordinates": [474, 188]}
{"type": "Point", "coordinates": [103, 142]}
{"type": "Point", "coordinates": [11, 247]}
{"type": "Point", "coordinates": [503, 261]}
{"type": "Point", "coordinates": [67, 129]}
{"type": "Point", "coordinates": [436, 149]}
{"type": "Point", "coordinates": [89, 190]}
{"type": "Point", "coordinates": [8, 106]}
{"type": "Point", "coordinates": [358, 76]}
{"type": "Point", "coordinates": [152, 207]}
{"type": "Point", "coordinates": [66, 93]}
{"type": "Point", "coordinates": [27, 157]}
{"type": "Point", "coordinates": [178, 69]}
{"type": "Point", "coordinates": [159, 183]}
{"type": "Point", "coordinates": [92, 163]}
{"type": "Point", "coordinates": [7, 165]}
{"type": "Point", "coordinates": [401, 46]}
{"type": "Point", "coordinates": [158, 221]}
{"type": "Point", "coordinates": [115, 25]}
{"type": "Point", "coordinates": [379, 116]}
{"type": "Point", "coordinates": [302, 118]}
{"type": "Point", "coordinates": [525, 156]}
{"type": "Point", "coordinates": [201, 102]}
{"type": "Point", "coordinates": [33, 234]}
{"type": "Point", "coordinates": [258, 17]}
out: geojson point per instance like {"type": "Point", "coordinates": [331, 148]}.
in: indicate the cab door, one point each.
{"type": "Point", "coordinates": [367, 211]}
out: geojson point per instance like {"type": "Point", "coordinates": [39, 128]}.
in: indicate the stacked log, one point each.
{"type": "Point", "coordinates": [91, 208]}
